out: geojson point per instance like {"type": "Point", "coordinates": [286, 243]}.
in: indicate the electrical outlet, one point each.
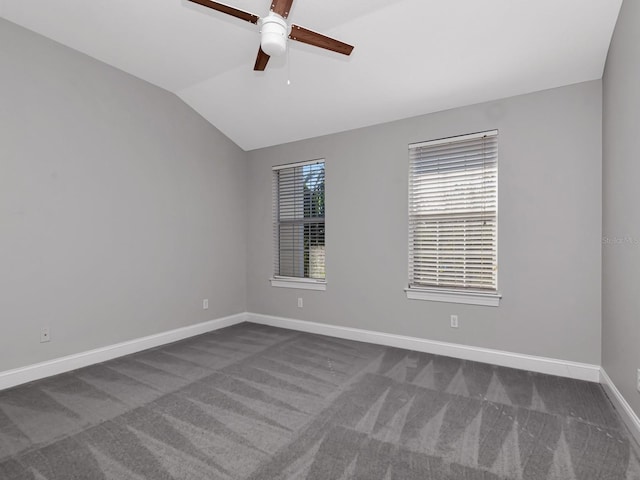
{"type": "Point", "coordinates": [638, 382]}
{"type": "Point", "coordinates": [44, 335]}
{"type": "Point", "coordinates": [205, 304]}
{"type": "Point", "coordinates": [300, 302]}
{"type": "Point", "coordinates": [454, 321]}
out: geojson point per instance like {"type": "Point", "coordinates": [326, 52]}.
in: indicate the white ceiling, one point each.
{"type": "Point", "coordinates": [411, 56]}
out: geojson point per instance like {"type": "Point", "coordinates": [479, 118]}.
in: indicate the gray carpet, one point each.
{"type": "Point", "coordinates": [259, 403]}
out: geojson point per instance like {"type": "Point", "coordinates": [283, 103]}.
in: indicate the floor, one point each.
{"type": "Point", "coordinates": [260, 403]}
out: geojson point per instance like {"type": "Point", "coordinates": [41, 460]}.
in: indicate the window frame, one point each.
{"type": "Point", "coordinates": [448, 293]}
{"type": "Point", "coordinates": [284, 281]}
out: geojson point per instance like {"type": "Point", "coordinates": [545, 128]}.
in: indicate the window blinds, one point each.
{"type": "Point", "coordinates": [298, 212]}
{"type": "Point", "coordinates": [453, 213]}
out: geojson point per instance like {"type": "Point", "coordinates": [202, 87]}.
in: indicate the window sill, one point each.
{"type": "Point", "coordinates": [301, 283]}
{"type": "Point", "coordinates": [454, 296]}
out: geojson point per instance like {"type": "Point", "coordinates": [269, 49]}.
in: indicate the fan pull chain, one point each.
{"type": "Point", "coordinates": [288, 66]}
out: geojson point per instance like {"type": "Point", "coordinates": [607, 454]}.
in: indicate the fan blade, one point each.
{"type": "Point", "coordinates": [281, 7]}
{"type": "Point", "coordinates": [261, 61]}
{"type": "Point", "coordinates": [234, 12]}
{"type": "Point", "coordinates": [310, 37]}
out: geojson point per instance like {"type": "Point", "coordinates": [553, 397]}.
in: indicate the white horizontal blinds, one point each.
{"type": "Point", "coordinates": [299, 220]}
{"type": "Point", "coordinates": [453, 213]}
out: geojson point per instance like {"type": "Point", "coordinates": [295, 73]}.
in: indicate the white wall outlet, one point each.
{"type": "Point", "coordinates": [44, 335]}
{"type": "Point", "coordinates": [454, 321]}
{"type": "Point", "coordinates": [205, 304]}
{"type": "Point", "coordinates": [638, 380]}
{"type": "Point", "coordinates": [300, 302]}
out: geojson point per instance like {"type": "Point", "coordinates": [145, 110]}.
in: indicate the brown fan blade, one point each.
{"type": "Point", "coordinates": [310, 37]}
{"type": "Point", "coordinates": [281, 7]}
{"type": "Point", "coordinates": [261, 61]}
{"type": "Point", "coordinates": [234, 12]}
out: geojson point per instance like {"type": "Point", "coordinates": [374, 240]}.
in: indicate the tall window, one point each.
{"type": "Point", "coordinates": [299, 208]}
{"type": "Point", "coordinates": [453, 214]}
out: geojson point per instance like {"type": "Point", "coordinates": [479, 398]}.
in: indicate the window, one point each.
{"type": "Point", "coordinates": [453, 219]}
{"type": "Point", "coordinates": [299, 231]}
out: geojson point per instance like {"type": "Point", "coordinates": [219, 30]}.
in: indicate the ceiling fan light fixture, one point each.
{"type": "Point", "coordinates": [273, 35]}
{"type": "Point", "coordinates": [275, 32]}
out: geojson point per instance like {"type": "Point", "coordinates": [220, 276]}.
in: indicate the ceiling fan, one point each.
{"type": "Point", "coordinates": [274, 31]}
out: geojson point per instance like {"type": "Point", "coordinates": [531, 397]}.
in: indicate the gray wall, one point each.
{"type": "Point", "coordinates": [120, 208]}
{"type": "Point", "coordinates": [621, 205]}
{"type": "Point", "coordinates": [550, 180]}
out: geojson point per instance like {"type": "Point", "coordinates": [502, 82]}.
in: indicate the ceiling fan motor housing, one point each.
{"type": "Point", "coordinates": [274, 35]}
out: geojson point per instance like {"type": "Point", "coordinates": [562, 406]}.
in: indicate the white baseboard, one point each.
{"type": "Point", "coordinates": [629, 417]}
{"type": "Point", "coordinates": [563, 368]}
{"type": "Point", "coordinates": [551, 366]}
{"type": "Point", "coordinates": [18, 376]}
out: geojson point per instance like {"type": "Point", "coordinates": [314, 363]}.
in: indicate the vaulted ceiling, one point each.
{"type": "Point", "coordinates": [411, 56]}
